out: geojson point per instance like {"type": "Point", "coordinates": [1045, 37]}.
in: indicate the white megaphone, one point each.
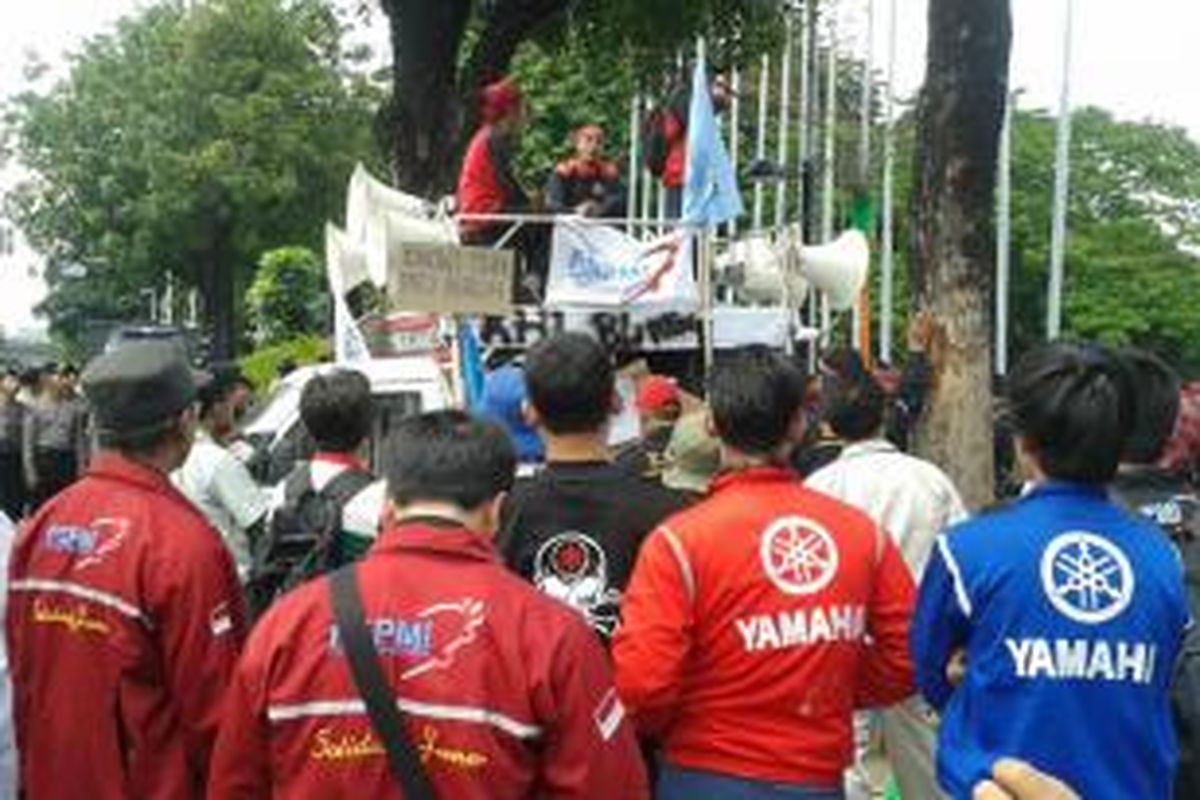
{"type": "Point", "coordinates": [754, 266]}
{"type": "Point", "coordinates": [839, 269]}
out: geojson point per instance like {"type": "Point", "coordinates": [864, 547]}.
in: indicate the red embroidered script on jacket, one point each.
{"type": "Point", "coordinates": [756, 622]}
{"type": "Point", "coordinates": [124, 623]}
{"type": "Point", "coordinates": [507, 693]}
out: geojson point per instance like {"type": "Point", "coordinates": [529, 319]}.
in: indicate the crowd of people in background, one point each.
{"type": "Point", "coordinates": [515, 608]}
{"type": "Point", "coordinates": [43, 435]}
{"type": "Point", "coordinates": [762, 595]}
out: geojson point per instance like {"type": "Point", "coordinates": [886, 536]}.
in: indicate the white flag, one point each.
{"type": "Point", "coordinates": [342, 259]}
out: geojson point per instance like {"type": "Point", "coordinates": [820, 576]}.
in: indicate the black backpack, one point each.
{"type": "Point", "coordinates": [655, 147]}
{"type": "Point", "coordinates": [303, 538]}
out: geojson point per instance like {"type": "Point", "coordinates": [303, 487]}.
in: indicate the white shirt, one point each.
{"type": "Point", "coordinates": [910, 498]}
{"type": "Point", "coordinates": [361, 516]}
{"type": "Point", "coordinates": [223, 489]}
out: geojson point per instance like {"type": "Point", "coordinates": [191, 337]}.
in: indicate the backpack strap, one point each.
{"type": "Point", "coordinates": [346, 485]}
{"type": "Point", "coordinates": [299, 481]}
{"type": "Point", "coordinates": [386, 717]}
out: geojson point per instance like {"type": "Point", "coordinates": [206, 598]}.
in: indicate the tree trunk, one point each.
{"type": "Point", "coordinates": [421, 118]}
{"type": "Point", "coordinates": [508, 23]}
{"type": "Point", "coordinates": [433, 112]}
{"type": "Point", "coordinates": [959, 117]}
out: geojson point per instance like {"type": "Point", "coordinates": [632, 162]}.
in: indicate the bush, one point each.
{"type": "Point", "coordinates": [289, 296]}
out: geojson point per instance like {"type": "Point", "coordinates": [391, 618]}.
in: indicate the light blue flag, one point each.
{"type": "Point", "coordinates": [470, 358]}
{"type": "Point", "coordinates": [710, 190]}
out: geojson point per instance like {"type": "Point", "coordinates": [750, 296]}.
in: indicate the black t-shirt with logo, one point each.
{"type": "Point", "coordinates": [574, 530]}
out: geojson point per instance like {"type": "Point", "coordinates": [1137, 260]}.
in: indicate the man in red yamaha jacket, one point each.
{"type": "Point", "coordinates": [125, 614]}
{"type": "Point", "coordinates": [506, 693]}
{"type": "Point", "coordinates": [759, 619]}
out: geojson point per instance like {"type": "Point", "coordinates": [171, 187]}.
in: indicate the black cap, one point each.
{"type": "Point", "coordinates": [139, 385]}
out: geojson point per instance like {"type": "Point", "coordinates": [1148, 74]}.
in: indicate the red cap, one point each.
{"type": "Point", "coordinates": [500, 99]}
{"type": "Point", "coordinates": [656, 393]}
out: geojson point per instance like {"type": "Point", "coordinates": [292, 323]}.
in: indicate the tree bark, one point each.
{"type": "Point", "coordinates": [219, 295]}
{"type": "Point", "coordinates": [433, 110]}
{"type": "Point", "coordinates": [421, 123]}
{"type": "Point", "coordinates": [508, 23]}
{"type": "Point", "coordinates": [959, 116]}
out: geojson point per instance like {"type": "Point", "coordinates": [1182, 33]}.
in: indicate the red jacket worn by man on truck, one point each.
{"type": "Point", "coordinates": [125, 614]}
{"type": "Point", "coordinates": [506, 693]}
{"type": "Point", "coordinates": [757, 620]}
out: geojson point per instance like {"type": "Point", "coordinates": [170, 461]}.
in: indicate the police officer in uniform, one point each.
{"type": "Point", "coordinates": [1067, 609]}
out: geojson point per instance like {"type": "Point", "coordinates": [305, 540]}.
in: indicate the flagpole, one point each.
{"type": "Point", "coordinates": [760, 148]}
{"type": "Point", "coordinates": [704, 240]}
{"type": "Point", "coordinates": [802, 103]}
{"type": "Point", "coordinates": [889, 158]}
{"type": "Point", "coordinates": [1003, 235]}
{"type": "Point", "coordinates": [785, 81]}
{"type": "Point", "coordinates": [861, 307]}
{"type": "Point", "coordinates": [635, 115]}
{"type": "Point", "coordinates": [1061, 179]}
{"type": "Point", "coordinates": [829, 165]}
{"type": "Point", "coordinates": [735, 134]}
{"type": "Point", "coordinates": [808, 109]}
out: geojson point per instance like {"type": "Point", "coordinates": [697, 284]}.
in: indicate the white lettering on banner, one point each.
{"type": "Point", "coordinates": [1083, 659]}
{"type": "Point", "coordinates": [802, 627]}
{"type": "Point", "coordinates": [637, 329]}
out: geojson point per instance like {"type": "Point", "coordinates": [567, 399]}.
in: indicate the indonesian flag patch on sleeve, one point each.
{"type": "Point", "coordinates": [219, 622]}
{"type": "Point", "coordinates": [609, 714]}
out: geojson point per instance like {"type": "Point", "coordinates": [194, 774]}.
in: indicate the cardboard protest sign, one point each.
{"type": "Point", "coordinates": [450, 279]}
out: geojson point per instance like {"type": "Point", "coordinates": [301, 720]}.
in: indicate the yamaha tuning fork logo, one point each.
{"type": "Point", "coordinates": [1086, 577]}
{"type": "Point", "coordinates": [798, 555]}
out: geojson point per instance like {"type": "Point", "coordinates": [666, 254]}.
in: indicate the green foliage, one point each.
{"type": "Point", "coordinates": [288, 297]}
{"type": "Point", "coordinates": [261, 367]}
{"type": "Point", "coordinates": [1132, 270]}
{"type": "Point", "coordinates": [183, 140]}
{"type": "Point", "coordinates": [1131, 217]}
{"type": "Point", "coordinates": [651, 33]}
{"type": "Point", "coordinates": [568, 87]}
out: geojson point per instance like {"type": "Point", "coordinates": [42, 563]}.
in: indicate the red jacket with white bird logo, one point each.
{"type": "Point", "coordinates": [506, 693]}
{"type": "Point", "coordinates": [124, 623]}
{"type": "Point", "coordinates": [756, 622]}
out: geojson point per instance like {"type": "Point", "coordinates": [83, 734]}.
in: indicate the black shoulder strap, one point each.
{"type": "Point", "coordinates": [299, 481]}
{"type": "Point", "coordinates": [386, 718]}
{"type": "Point", "coordinates": [346, 484]}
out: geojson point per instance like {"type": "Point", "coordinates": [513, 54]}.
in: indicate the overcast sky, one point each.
{"type": "Point", "coordinates": [1140, 60]}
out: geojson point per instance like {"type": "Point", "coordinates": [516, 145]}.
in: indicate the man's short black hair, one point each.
{"type": "Point", "coordinates": [854, 409]}
{"type": "Point", "coordinates": [1156, 405]}
{"type": "Point", "coordinates": [448, 457]}
{"type": "Point", "coordinates": [336, 409]}
{"type": "Point", "coordinates": [216, 390]}
{"type": "Point", "coordinates": [755, 396]}
{"type": "Point", "coordinates": [1073, 404]}
{"type": "Point", "coordinates": [571, 382]}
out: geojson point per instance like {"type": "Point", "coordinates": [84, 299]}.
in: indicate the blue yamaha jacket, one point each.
{"type": "Point", "coordinates": [1070, 612]}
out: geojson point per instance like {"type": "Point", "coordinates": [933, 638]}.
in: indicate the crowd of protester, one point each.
{"type": "Point", "coordinates": [763, 596]}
